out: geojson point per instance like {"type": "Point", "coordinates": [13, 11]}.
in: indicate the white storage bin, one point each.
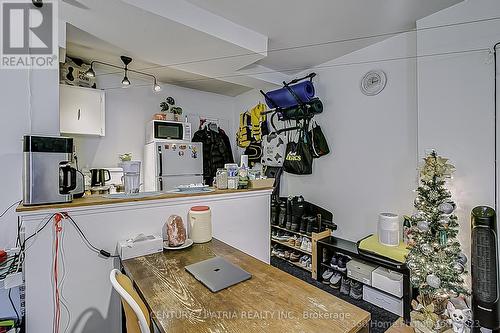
{"type": "Point", "coordinates": [383, 300]}
{"type": "Point", "coordinates": [360, 271]}
{"type": "Point", "coordinates": [388, 281]}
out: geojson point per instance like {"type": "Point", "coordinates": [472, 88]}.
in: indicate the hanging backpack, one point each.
{"type": "Point", "coordinates": [273, 150]}
{"type": "Point", "coordinates": [298, 157]}
{"type": "Point", "coordinates": [319, 146]}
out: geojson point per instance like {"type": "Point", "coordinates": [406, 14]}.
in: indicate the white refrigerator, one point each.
{"type": "Point", "coordinates": [168, 164]}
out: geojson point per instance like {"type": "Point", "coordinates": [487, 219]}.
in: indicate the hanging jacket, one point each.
{"type": "Point", "coordinates": [216, 151]}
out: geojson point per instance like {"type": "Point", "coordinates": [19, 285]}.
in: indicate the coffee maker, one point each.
{"type": "Point", "coordinates": [48, 176]}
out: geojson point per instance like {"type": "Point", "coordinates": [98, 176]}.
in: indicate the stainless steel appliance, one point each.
{"type": "Point", "coordinates": [168, 164]}
{"type": "Point", "coordinates": [48, 176]}
{"type": "Point", "coordinates": [99, 177]}
{"type": "Point", "coordinates": [157, 130]}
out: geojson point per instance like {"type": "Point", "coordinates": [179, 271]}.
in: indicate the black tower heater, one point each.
{"type": "Point", "coordinates": [484, 268]}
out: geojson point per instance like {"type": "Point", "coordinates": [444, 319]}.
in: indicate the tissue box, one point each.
{"type": "Point", "coordinates": [140, 246]}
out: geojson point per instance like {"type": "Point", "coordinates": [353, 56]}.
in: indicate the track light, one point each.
{"type": "Point", "coordinates": [156, 87]}
{"type": "Point", "coordinates": [90, 72]}
{"type": "Point", "coordinates": [125, 81]}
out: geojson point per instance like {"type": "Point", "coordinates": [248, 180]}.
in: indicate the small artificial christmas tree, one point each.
{"type": "Point", "coordinates": [435, 260]}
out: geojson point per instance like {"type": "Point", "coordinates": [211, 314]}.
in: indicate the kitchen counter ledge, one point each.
{"type": "Point", "coordinates": [98, 200]}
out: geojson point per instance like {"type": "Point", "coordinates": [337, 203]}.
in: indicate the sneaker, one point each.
{"type": "Point", "coordinates": [280, 253]}
{"type": "Point", "coordinates": [302, 260]}
{"type": "Point", "coordinates": [334, 261]}
{"type": "Point", "coordinates": [282, 236]}
{"type": "Point", "coordinates": [287, 255]}
{"type": "Point", "coordinates": [291, 240]}
{"type": "Point", "coordinates": [295, 256]}
{"type": "Point", "coordinates": [308, 262]}
{"type": "Point", "coordinates": [327, 276]}
{"type": "Point", "coordinates": [356, 290]}
{"type": "Point", "coordinates": [274, 250]}
{"type": "Point", "coordinates": [309, 246]}
{"type": "Point", "coordinates": [345, 286]}
{"type": "Point", "coordinates": [298, 242]}
{"type": "Point", "coordinates": [342, 263]}
{"type": "Point", "coordinates": [303, 245]}
{"type": "Point", "coordinates": [336, 280]}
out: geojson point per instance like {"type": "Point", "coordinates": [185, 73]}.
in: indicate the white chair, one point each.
{"type": "Point", "coordinates": [136, 312]}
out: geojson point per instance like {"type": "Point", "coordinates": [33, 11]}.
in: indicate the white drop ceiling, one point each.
{"type": "Point", "coordinates": [232, 46]}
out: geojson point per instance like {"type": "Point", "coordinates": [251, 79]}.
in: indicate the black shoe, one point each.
{"type": "Point", "coordinates": [356, 291]}
{"type": "Point", "coordinates": [311, 225]}
{"type": "Point", "coordinates": [298, 208]}
{"type": "Point", "coordinates": [303, 225]}
{"type": "Point", "coordinates": [295, 223]}
{"type": "Point", "coordinates": [288, 224]}
{"type": "Point", "coordinates": [275, 212]}
{"type": "Point", "coordinates": [282, 215]}
{"type": "Point", "coordinates": [314, 224]}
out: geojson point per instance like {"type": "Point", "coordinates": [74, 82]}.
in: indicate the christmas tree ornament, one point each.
{"type": "Point", "coordinates": [433, 196]}
{"type": "Point", "coordinates": [426, 249]}
{"type": "Point", "coordinates": [415, 280]}
{"type": "Point", "coordinates": [462, 258]}
{"type": "Point", "coordinates": [443, 238]}
{"type": "Point", "coordinates": [433, 280]}
{"type": "Point", "coordinates": [446, 208]}
{"type": "Point", "coordinates": [423, 226]}
{"type": "Point", "coordinates": [411, 264]}
{"type": "Point", "coordinates": [459, 268]}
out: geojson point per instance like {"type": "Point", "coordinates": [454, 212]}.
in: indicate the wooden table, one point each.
{"type": "Point", "coordinates": [271, 301]}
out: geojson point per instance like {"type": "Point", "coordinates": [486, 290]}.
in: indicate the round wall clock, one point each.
{"type": "Point", "coordinates": [373, 82]}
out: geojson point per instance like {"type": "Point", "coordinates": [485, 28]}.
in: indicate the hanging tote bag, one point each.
{"type": "Point", "coordinates": [298, 157]}
{"type": "Point", "coordinates": [319, 146]}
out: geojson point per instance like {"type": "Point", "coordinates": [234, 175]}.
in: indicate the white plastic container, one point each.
{"type": "Point", "coordinates": [381, 299]}
{"type": "Point", "coordinates": [388, 281]}
{"type": "Point", "coordinates": [200, 224]}
{"type": "Point", "coordinates": [388, 229]}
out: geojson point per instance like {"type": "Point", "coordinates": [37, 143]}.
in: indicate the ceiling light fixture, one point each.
{"type": "Point", "coordinates": [125, 81]}
{"type": "Point", "coordinates": [156, 86]}
{"type": "Point", "coordinates": [126, 60]}
{"type": "Point", "coordinates": [90, 72]}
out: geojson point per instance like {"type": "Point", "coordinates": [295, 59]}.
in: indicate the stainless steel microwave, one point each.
{"type": "Point", "coordinates": [168, 130]}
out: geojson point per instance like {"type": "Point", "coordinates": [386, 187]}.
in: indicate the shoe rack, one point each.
{"type": "Point", "coordinates": [350, 249]}
{"type": "Point", "coordinates": [323, 228]}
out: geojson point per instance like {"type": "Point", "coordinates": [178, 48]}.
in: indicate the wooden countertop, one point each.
{"type": "Point", "coordinates": [96, 200]}
{"type": "Point", "coordinates": [271, 301]}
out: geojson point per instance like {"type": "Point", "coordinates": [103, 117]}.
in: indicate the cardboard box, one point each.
{"type": "Point", "coordinates": [261, 183]}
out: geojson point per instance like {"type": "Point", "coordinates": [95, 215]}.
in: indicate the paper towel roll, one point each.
{"type": "Point", "coordinates": [388, 229]}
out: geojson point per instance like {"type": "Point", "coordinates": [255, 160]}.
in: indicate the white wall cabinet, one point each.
{"type": "Point", "coordinates": [82, 110]}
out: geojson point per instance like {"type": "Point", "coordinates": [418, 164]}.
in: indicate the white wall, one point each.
{"type": "Point", "coordinates": [128, 110]}
{"type": "Point", "coordinates": [456, 101]}
{"type": "Point", "coordinates": [373, 139]}
{"type": "Point", "coordinates": [30, 102]}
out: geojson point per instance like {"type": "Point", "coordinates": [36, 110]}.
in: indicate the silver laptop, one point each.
{"type": "Point", "coordinates": [217, 273]}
